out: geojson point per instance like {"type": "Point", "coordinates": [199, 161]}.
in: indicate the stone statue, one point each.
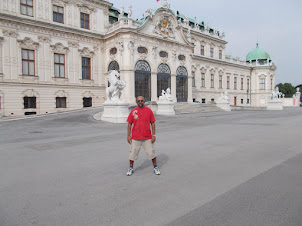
{"type": "Point", "coordinates": [114, 91]}
{"type": "Point", "coordinates": [224, 96]}
{"type": "Point", "coordinates": [166, 96]}
{"type": "Point", "coordinates": [130, 12]}
{"type": "Point", "coordinates": [165, 4]}
{"type": "Point", "coordinates": [189, 34]}
{"type": "Point", "coordinates": [298, 89]}
{"type": "Point", "coordinates": [149, 13]}
{"type": "Point", "coordinates": [196, 23]}
{"type": "Point", "coordinates": [275, 95]}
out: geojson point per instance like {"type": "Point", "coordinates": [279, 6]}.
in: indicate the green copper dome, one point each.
{"type": "Point", "coordinates": [257, 54]}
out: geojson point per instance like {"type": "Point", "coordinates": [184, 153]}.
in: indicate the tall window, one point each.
{"type": "Point", "coordinates": [220, 54]}
{"type": "Point", "coordinates": [235, 82]}
{"type": "Point", "coordinates": [58, 14]}
{"type": "Point", "coordinates": [212, 81]}
{"type": "Point", "coordinates": [86, 68]}
{"type": "Point", "coordinates": [60, 102]}
{"type": "Point", "coordinates": [28, 62]}
{"type": "Point", "coordinates": [202, 50]}
{"type": "Point", "coordinates": [85, 20]}
{"type": "Point", "coordinates": [193, 79]}
{"type": "Point", "coordinates": [202, 79]}
{"type": "Point", "coordinates": [241, 86]}
{"type": "Point", "coordinates": [262, 83]}
{"type": "Point", "coordinates": [29, 102]}
{"type": "Point", "coordinates": [59, 65]}
{"type": "Point", "coordinates": [220, 81]}
{"type": "Point", "coordinates": [271, 84]}
{"type": "Point", "coordinates": [211, 52]}
{"type": "Point", "coordinates": [248, 84]}
{"type": "Point", "coordinates": [228, 82]}
{"type": "Point", "coordinates": [26, 7]}
{"type": "Point", "coordinates": [87, 102]}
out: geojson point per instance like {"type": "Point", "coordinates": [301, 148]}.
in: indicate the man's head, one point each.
{"type": "Point", "coordinates": [140, 101]}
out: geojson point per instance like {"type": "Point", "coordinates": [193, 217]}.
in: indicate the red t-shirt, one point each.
{"type": "Point", "coordinates": [141, 118]}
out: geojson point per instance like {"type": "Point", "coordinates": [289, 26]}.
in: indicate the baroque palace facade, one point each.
{"type": "Point", "coordinates": [55, 55]}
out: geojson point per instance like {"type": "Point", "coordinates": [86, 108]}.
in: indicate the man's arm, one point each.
{"type": "Point", "coordinates": [153, 132]}
{"type": "Point", "coordinates": [129, 138]}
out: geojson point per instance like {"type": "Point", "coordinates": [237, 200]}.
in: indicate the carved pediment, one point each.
{"type": "Point", "coordinates": [85, 8]}
{"type": "Point", "coordinates": [30, 93]}
{"type": "Point", "coordinates": [203, 70]}
{"type": "Point", "coordinates": [59, 48]}
{"type": "Point", "coordinates": [28, 43]}
{"type": "Point", "coordinates": [61, 93]}
{"type": "Point", "coordinates": [61, 3]}
{"type": "Point", "coordinates": [164, 26]}
{"type": "Point", "coordinates": [86, 52]}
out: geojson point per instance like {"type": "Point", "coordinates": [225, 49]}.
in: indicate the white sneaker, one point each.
{"type": "Point", "coordinates": [156, 170]}
{"type": "Point", "coordinates": [130, 171]}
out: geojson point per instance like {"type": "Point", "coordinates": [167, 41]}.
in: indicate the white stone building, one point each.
{"type": "Point", "coordinates": [55, 55]}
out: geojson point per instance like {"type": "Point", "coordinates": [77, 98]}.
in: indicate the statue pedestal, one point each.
{"type": "Point", "coordinates": [115, 112]}
{"type": "Point", "coordinates": [224, 105]}
{"type": "Point", "coordinates": [165, 108]}
{"type": "Point", "coordinates": [274, 105]}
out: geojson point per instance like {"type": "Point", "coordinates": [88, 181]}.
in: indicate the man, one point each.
{"type": "Point", "coordinates": [140, 136]}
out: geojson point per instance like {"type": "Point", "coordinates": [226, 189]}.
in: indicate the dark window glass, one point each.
{"type": "Point", "coordinates": [87, 102]}
{"type": "Point", "coordinates": [29, 102]}
{"type": "Point", "coordinates": [85, 20]}
{"type": "Point", "coordinates": [59, 64]}
{"type": "Point", "coordinates": [113, 51]}
{"type": "Point", "coordinates": [58, 14]}
{"type": "Point", "coordinates": [26, 7]}
{"type": "Point", "coordinates": [202, 50]}
{"type": "Point", "coordinates": [60, 102]}
{"type": "Point", "coordinates": [86, 68]}
{"type": "Point", "coordinates": [163, 54]}
{"type": "Point", "coordinates": [142, 50]}
{"type": "Point", "coordinates": [28, 62]}
{"type": "Point", "coordinates": [181, 57]}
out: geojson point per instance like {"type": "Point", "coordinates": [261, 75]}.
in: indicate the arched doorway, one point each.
{"type": "Point", "coordinates": [143, 80]}
{"type": "Point", "coordinates": [113, 66]}
{"type": "Point", "coordinates": [163, 78]}
{"type": "Point", "coordinates": [182, 84]}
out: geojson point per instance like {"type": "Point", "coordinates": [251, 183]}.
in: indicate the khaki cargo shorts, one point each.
{"type": "Point", "coordinates": [136, 145]}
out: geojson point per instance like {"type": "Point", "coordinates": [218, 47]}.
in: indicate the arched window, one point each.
{"type": "Point", "coordinates": [182, 84]}
{"type": "Point", "coordinates": [143, 80]}
{"type": "Point", "coordinates": [163, 78]}
{"type": "Point", "coordinates": [113, 66]}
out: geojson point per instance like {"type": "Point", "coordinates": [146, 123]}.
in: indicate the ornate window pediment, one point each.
{"type": "Point", "coordinates": [86, 52]}
{"type": "Point", "coordinates": [203, 70]}
{"type": "Point", "coordinates": [28, 43]}
{"type": "Point", "coordinates": [59, 48]}
{"type": "Point", "coordinates": [61, 3]}
{"type": "Point", "coordinates": [85, 8]}
{"type": "Point", "coordinates": [30, 93]}
{"type": "Point", "coordinates": [61, 93]}
{"type": "Point", "coordinates": [220, 72]}
{"type": "Point", "coordinates": [164, 27]}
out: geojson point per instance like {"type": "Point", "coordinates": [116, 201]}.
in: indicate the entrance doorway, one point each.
{"type": "Point", "coordinates": [182, 84]}
{"type": "Point", "coordinates": [235, 101]}
{"type": "Point", "coordinates": [163, 78]}
{"type": "Point", "coordinates": [143, 80]}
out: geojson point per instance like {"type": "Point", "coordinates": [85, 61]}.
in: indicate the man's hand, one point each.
{"type": "Point", "coordinates": [153, 139]}
{"type": "Point", "coordinates": [129, 139]}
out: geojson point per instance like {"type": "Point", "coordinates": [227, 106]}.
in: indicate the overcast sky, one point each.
{"type": "Point", "coordinates": [276, 24]}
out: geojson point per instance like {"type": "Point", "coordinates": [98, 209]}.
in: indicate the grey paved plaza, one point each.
{"type": "Point", "coordinates": [218, 168]}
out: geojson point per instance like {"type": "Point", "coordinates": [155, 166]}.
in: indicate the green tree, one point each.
{"type": "Point", "coordinates": [287, 89]}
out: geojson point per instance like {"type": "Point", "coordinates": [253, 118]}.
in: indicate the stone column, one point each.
{"type": "Point", "coordinates": [1, 59]}
{"type": "Point", "coordinates": [153, 86]}
{"type": "Point", "coordinates": [190, 98]}
{"type": "Point", "coordinates": [10, 57]}
{"type": "Point", "coordinates": [173, 87]}
{"type": "Point", "coordinates": [73, 62]}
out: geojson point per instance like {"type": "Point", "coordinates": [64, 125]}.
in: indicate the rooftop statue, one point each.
{"type": "Point", "coordinates": [114, 91]}
{"type": "Point", "coordinates": [166, 96]}
{"type": "Point", "coordinates": [130, 12]}
{"type": "Point", "coordinates": [121, 13]}
{"type": "Point", "coordinates": [165, 4]}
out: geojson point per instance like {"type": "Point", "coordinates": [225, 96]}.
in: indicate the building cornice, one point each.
{"type": "Point", "coordinates": [15, 22]}
{"type": "Point", "coordinates": [226, 63]}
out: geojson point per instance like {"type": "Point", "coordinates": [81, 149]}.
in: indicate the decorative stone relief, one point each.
{"type": "Point", "coordinates": [203, 70]}
{"type": "Point", "coordinates": [59, 48]}
{"type": "Point", "coordinates": [86, 8]}
{"type": "Point", "coordinates": [131, 47]}
{"type": "Point", "coordinates": [121, 47]}
{"type": "Point", "coordinates": [61, 3]}
{"type": "Point", "coordinates": [154, 51]}
{"type": "Point", "coordinates": [220, 72]}
{"type": "Point", "coordinates": [30, 93]}
{"type": "Point", "coordinates": [40, 8]}
{"type": "Point", "coordinates": [87, 94]}
{"type": "Point", "coordinates": [61, 93]}
{"type": "Point", "coordinates": [174, 54]}
{"type": "Point", "coordinates": [45, 39]}
{"type": "Point", "coordinates": [13, 5]}
{"type": "Point", "coordinates": [10, 33]}
{"type": "Point", "coordinates": [86, 52]}
{"type": "Point", "coordinates": [149, 13]}
{"type": "Point", "coordinates": [164, 27]}
{"type": "Point", "coordinates": [28, 43]}
{"type": "Point", "coordinates": [1, 39]}
{"type": "Point", "coordinates": [73, 44]}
